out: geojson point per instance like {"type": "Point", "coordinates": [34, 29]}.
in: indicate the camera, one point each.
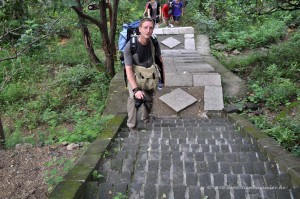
{"type": "Point", "coordinates": [138, 102]}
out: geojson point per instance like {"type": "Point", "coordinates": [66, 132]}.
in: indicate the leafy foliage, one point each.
{"type": "Point", "coordinates": [252, 36]}
{"type": "Point", "coordinates": [56, 89]}
{"type": "Point", "coordinates": [271, 69]}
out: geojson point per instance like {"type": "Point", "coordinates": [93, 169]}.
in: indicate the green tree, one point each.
{"type": "Point", "coordinates": [268, 7]}
{"type": "Point", "coordinates": [108, 33]}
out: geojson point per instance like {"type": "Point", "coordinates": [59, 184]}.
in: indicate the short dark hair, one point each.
{"type": "Point", "coordinates": [144, 20]}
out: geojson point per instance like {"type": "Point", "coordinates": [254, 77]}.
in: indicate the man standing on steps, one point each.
{"type": "Point", "coordinates": [137, 65]}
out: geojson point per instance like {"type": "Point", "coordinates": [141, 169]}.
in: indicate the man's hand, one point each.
{"type": "Point", "coordinates": [139, 94]}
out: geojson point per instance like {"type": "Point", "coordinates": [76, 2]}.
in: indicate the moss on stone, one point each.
{"type": "Point", "coordinates": [67, 190]}
{"type": "Point", "coordinates": [287, 110]}
{"type": "Point", "coordinates": [112, 127]}
{"type": "Point", "coordinates": [254, 132]}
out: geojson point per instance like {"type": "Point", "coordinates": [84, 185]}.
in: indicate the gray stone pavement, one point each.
{"type": "Point", "coordinates": [189, 157]}
{"type": "Point", "coordinates": [186, 66]}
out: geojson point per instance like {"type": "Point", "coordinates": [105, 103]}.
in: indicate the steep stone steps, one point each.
{"type": "Point", "coordinates": [189, 158]}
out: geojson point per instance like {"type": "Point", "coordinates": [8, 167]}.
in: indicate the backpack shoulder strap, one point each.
{"type": "Point", "coordinates": [133, 44]}
{"type": "Point", "coordinates": [154, 41]}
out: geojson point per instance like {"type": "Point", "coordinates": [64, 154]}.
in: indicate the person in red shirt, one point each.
{"type": "Point", "coordinates": [166, 14]}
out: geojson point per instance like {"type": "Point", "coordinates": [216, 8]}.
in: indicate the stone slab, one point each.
{"type": "Point", "coordinates": [158, 31]}
{"type": "Point", "coordinates": [179, 52]}
{"type": "Point", "coordinates": [204, 51]}
{"type": "Point", "coordinates": [170, 67]}
{"type": "Point", "coordinates": [195, 68]}
{"type": "Point", "coordinates": [186, 30]}
{"type": "Point", "coordinates": [171, 42]}
{"type": "Point", "coordinates": [189, 44]}
{"type": "Point", "coordinates": [213, 98]}
{"type": "Point", "coordinates": [174, 30]}
{"type": "Point", "coordinates": [179, 80]}
{"type": "Point", "coordinates": [211, 79]}
{"type": "Point", "coordinates": [188, 58]}
{"type": "Point", "coordinates": [189, 36]}
{"type": "Point", "coordinates": [178, 99]}
{"type": "Point", "coordinates": [171, 31]}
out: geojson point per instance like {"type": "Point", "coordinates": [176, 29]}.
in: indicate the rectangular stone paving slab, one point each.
{"type": "Point", "coordinates": [181, 52]}
{"type": "Point", "coordinates": [189, 44]}
{"type": "Point", "coordinates": [208, 79]}
{"type": "Point", "coordinates": [188, 60]}
{"type": "Point", "coordinates": [189, 36]}
{"type": "Point", "coordinates": [213, 98]}
{"type": "Point", "coordinates": [179, 79]}
{"type": "Point", "coordinates": [178, 99]}
{"type": "Point", "coordinates": [194, 67]}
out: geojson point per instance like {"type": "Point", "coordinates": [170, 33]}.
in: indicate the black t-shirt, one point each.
{"type": "Point", "coordinates": [151, 10]}
{"type": "Point", "coordinates": [143, 57]}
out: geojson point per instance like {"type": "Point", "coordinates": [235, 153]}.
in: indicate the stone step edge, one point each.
{"type": "Point", "coordinates": [74, 182]}
{"type": "Point", "coordinates": [285, 159]}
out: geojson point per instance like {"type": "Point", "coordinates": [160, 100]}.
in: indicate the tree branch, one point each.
{"type": "Point", "coordinates": [85, 16]}
{"type": "Point", "coordinates": [10, 31]}
{"type": "Point", "coordinates": [30, 45]}
{"type": "Point", "coordinates": [262, 9]}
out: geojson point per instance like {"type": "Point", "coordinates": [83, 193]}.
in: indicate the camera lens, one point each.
{"type": "Point", "coordinates": [138, 102]}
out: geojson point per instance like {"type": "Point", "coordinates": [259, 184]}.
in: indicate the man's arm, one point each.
{"type": "Point", "coordinates": [132, 82]}
{"type": "Point", "coordinates": [160, 12]}
{"type": "Point", "coordinates": [148, 10]}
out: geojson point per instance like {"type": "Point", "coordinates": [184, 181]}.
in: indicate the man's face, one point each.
{"type": "Point", "coordinates": [146, 29]}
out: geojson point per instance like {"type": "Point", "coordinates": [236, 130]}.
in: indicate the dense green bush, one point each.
{"type": "Point", "coordinates": [272, 70]}
{"type": "Point", "coordinates": [53, 95]}
{"type": "Point", "coordinates": [252, 35]}
{"type": "Point", "coordinates": [13, 93]}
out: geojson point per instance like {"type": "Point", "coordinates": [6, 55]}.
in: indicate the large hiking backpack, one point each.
{"type": "Point", "coordinates": [129, 29]}
{"type": "Point", "coordinates": [129, 34]}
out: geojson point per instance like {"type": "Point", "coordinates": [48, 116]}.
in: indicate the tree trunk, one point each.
{"type": "Point", "coordinates": [107, 36]}
{"type": "Point", "coordinates": [87, 37]}
{"type": "Point", "coordinates": [89, 44]}
{"type": "Point", "coordinates": [107, 43]}
{"type": "Point", "coordinates": [2, 137]}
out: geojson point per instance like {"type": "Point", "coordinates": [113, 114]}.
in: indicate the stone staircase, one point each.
{"type": "Point", "coordinates": [186, 67]}
{"type": "Point", "coordinates": [191, 159]}
{"type": "Point", "coordinates": [183, 154]}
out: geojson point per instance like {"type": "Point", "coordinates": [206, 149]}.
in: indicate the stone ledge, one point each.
{"type": "Point", "coordinates": [67, 189]}
{"type": "Point", "coordinates": [245, 127]}
{"type": "Point", "coordinates": [74, 181]}
{"type": "Point", "coordinates": [271, 147]}
{"type": "Point", "coordinates": [286, 161]}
